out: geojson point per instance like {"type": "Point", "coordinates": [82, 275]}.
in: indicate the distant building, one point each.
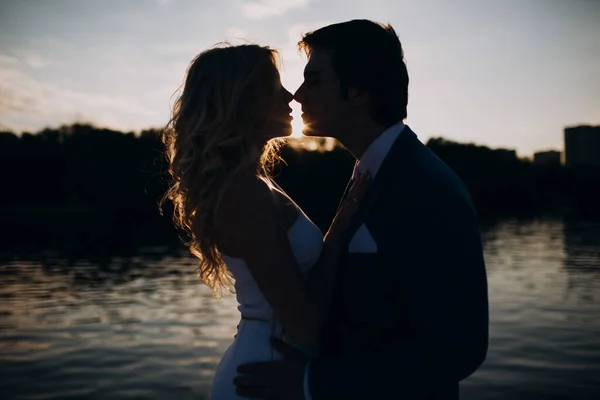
{"type": "Point", "coordinates": [506, 154]}
{"type": "Point", "coordinates": [582, 146]}
{"type": "Point", "coordinates": [551, 157]}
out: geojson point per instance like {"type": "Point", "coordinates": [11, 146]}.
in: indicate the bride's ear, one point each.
{"type": "Point", "coordinates": [358, 97]}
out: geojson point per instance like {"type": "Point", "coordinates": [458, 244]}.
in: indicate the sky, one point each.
{"type": "Point", "coordinates": [502, 73]}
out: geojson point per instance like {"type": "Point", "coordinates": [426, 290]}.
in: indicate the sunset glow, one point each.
{"type": "Point", "coordinates": [297, 124]}
{"type": "Point", "coordinates": [56, 71]}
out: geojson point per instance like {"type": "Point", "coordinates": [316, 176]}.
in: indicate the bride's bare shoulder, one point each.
{"type": "Point", "coordinates": [241, 213]}
{"type": "Point", "coordinates": [244, 194]}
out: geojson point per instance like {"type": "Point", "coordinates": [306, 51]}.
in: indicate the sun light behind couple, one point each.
{"type": "Point", "coordinates": [298, 140]}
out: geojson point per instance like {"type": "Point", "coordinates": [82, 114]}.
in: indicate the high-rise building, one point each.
{"type": "Point", "coordinates": [582, 146]}
{"type": "Point", "coordinates": [550, 157]}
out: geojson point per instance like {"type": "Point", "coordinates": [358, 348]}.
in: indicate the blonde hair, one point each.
{"type": "Point", "coordinates": [211, 136]}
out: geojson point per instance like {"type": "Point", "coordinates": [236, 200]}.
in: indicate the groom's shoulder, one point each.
{"type": "Point", "coordinates": [425, 177]}
{"type": "Point", "coordinates": [416, 164]}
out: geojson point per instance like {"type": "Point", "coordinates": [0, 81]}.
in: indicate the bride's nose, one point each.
{"type": "Point", "coordinates": [287, 95]}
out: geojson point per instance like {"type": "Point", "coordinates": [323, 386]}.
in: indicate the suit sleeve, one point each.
{"type": "Point", "coordinates": [441, 288]}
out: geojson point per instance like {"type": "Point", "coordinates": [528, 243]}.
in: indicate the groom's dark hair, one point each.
{"type": "Point", "coordinates": [366, 55]}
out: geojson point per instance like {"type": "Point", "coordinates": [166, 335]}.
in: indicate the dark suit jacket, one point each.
{"type": "Point", "coordinates": [411, 320]}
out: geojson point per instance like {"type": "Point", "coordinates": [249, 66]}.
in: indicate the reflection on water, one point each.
{"type": "Point", "coordinates": [143, 327]}
{"type": "Point", "coordinates": [140, 327]}
{"type": "Point", "coordinates": [544, 287]}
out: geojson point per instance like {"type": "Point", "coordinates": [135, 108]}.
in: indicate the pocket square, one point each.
{"type": "Point", "coordinates": [362, 242]}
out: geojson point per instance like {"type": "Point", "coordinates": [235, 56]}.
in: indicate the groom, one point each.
{"type": "Point", "coordinates": [410, 312]}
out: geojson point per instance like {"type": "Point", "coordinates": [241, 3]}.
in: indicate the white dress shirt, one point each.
{"type": "Point", "coordinates": [373, 157]}
{"type": "Point", "coordinates": [370, 161]}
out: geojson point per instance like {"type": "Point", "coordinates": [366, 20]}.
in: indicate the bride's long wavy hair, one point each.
{"type": "Point", "coordinates": [212, 135]}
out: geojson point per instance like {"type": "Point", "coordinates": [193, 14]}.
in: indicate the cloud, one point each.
{"type": "Point", "coordinates": [27, 103]}
{"type": "Point", "coordinates": [118, 86]}
{"type": "Point", "coordinates": [8, 60]}
{"type": "Point", "coordinates": [34, 60]}
{"type": "Point", "coordinates": [260, 9]}
{"type": "Point", "coordinates": [19, 93]}
{"type": "Point", "coordinates": [29, 58]}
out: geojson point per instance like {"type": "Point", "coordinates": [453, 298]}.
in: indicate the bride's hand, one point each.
{"type": "Point", "coordinates": [341, 221]}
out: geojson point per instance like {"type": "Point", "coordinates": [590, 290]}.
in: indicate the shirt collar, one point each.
{"type": "Point", "coordinates": [373, 157]}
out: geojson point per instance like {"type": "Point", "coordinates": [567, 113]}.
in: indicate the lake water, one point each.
{"type": "Point", "coordinates": [142, 326]}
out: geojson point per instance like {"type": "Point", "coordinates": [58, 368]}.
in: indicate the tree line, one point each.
{"type": "Point", "coordinates": [57, 178]}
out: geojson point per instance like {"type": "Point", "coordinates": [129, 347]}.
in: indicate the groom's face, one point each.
{"type": "Point", "coordinates": [324, 110]}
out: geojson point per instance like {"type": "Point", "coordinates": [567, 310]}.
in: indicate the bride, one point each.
{"type": "Point", "coordinates": [242, 226]}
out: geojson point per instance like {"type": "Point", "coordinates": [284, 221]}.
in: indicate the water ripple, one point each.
{"type": "Point", "coordinates": [144, 327]}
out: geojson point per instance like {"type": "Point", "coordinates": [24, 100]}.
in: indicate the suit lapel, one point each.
{"type": "Point", "coordinates": [345, 194]}
{"type": "Point", "coordinates": [391, 164]}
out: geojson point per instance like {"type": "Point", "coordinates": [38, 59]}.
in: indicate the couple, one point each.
{"type": "Point", "coordinates": [392, 301]}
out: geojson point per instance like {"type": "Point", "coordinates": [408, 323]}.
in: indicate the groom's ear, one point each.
{"type": "Point", "coordinates": [358, 97]}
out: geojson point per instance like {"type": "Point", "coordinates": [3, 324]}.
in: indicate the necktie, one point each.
{"type": "Point", "coordinates": [355, 174]}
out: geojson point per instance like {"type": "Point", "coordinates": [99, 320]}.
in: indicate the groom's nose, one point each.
{"type": "Point", "coordinates": [299, 95]}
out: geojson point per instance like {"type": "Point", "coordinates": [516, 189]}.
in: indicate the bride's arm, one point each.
{"type": "Point", "coordinates": [321, 278]}
{"type": "Point", "coordinates": [249, 227]}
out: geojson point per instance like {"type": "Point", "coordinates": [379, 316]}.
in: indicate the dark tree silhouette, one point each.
{"type": "Point", "coordinates": [93, 187]}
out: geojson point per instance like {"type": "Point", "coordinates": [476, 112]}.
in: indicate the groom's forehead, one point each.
{"type": "Point", "coordinates": [318, 62]}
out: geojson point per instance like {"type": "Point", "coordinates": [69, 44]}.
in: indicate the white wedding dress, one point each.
{"type": "Point", "coordinates": [258, 323]}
